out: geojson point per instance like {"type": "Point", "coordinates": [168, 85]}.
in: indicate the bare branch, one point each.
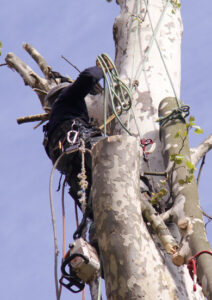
{"type": "Point", "coordinates": [200, 169]}
{"type": "Point", "coordinates": [198, 152]}
{"type": "Point", "coordinates": [158, 225]}
{"type": "Point", "coordinates": [34, 118]}
{"type": "Point", "coordinates": [206, 215]}
{"type": "Point", "coordinates": [29, 76]}
{"type": "Point", "coordinates": [68, 61]}
{"type": "Point", "coordinates": [39, 59]}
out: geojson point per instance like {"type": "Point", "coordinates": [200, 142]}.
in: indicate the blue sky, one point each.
{"type": "Point", "coordinates": [80, 32]}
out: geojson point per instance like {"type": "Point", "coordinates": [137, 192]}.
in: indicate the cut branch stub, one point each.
{"type": "Point", "coordinates": [158, 226]}
{"type": "Point", "coordinates": [185, 196]}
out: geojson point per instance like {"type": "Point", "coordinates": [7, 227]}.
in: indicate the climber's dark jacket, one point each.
{"type": "Point", "coordinates": [70, 103]}
{"type": "Point", "coordinates": [69, 112]}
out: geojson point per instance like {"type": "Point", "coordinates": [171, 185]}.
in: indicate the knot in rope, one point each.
{"type": "Point", "coordinates": [192, 267]}
{"type": "Point", "coordinates": [178, 113]}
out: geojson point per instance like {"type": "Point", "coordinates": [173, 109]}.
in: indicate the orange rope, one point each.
{"type": "Point", "coordinates": [83, 294]}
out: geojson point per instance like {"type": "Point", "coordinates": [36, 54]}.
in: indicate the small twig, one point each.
{"type": "Point", "coordinates": [40, 91]}
{"type": "Point", "coordinates": [40, 123]}
{"type": "Point", "coordinates": [5, 64]}
{"type": "Point", "coordinates": [200, 169]}
{"type": "Point", "coordinates": [207, 222]}
{"type": "Point", "coordinates": [70, 63]}
{"type": "Point", "coordinates": [206, 215]}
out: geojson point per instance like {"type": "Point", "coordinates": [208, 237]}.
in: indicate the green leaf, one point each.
{"type": "Point", "coordinates": [185, 133]}
{"type": "Point", "coordinates": [189, 178]}
{"type": "Point", "coordinates": [189, 164]}
{"type": "Point", "coordinates": [191, 119]}
{"type": "Point", "coordinates": [177, 134]}
{"type": "Point", "coordinates": [197, 130]}
{"type": "Point", "coordinates": [163, 192]}
{"type": "Point", "coordinates": [181, 181]}
{"type": "Point", "coordinates": [177, 158]}
{"type": "Point", "coordinates": [163, 182]}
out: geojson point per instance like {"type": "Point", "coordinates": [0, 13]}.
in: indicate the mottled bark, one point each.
{"type": "Point", "coordinates": [186, 210]}
{"type": "Point", "coordinates": [131, 259]}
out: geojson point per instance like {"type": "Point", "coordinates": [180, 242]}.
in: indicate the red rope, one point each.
{"type": "Point", "coordinates": [192, 267]}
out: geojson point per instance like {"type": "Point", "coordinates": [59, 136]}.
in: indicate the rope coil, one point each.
{"type": "Point", "coordinates": [119, 92]}
{"type": "Point", "coordinates": [178, 113]}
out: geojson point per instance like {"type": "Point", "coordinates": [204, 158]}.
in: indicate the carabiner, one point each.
{"type": "Point", "coordinates": [72, 136]}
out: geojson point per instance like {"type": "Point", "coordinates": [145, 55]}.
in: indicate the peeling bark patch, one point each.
{"type": "Point", "coordinates": [144, 100]}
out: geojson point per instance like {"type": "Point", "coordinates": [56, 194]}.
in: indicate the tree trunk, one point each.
{"type": "Point", "coordinates": [186, 210]}
{"type": "Point", "coordinates": [153, 60]}
{"type": "Point", "coordinates": [130, 258]}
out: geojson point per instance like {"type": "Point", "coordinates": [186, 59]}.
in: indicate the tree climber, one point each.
{"type": "Point", "coordinates": [69, 123]}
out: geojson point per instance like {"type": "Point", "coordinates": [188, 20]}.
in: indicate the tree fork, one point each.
{"type": "Point", "coordinates": [186, 208]}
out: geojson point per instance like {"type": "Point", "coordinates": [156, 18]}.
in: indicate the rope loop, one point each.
{"type": "Point", "coordinates": [119, 92]}
{"type": "Point", "coordinates": [192, 267]}
{"type": "Point", "coordinates": [178, 113]}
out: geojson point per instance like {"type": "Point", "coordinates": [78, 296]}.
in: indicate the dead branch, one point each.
{"type": "Point", "coordinates": [33, 118]}
{"type": "Point", "coordinates": [206, 215]}
{"type": "Point", "coordinates": [198, 152]}
{"type": "Point", "coordinates": [200, 169]}
{"type": "Point", "coordinates": [39, 59]}
{"type": "Point", "coordinates": [40, 85]}
{"type": "Point", "coordinates": [158, 225]}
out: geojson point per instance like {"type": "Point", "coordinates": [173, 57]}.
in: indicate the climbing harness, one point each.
{"type": "Point", "coordinates": [83, 263]}
{"type": "Point", "coordinates": [192, 267]}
